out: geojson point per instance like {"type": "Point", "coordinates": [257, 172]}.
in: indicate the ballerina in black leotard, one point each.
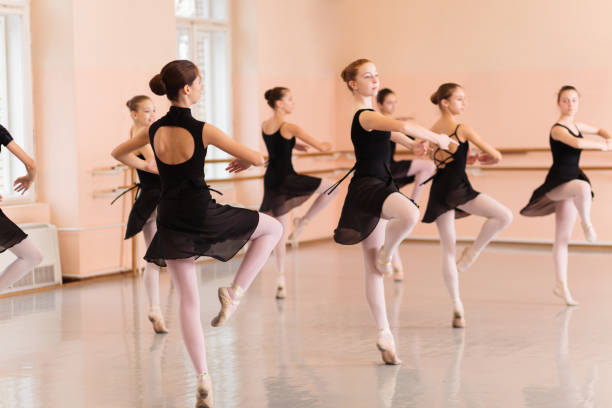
{"type": "Point", "coordinates": [143, 213]}
{"type": "Point", "coordinates": [404, 172]}
{"type": "Point", "coordinates": [189, 222]}
{"type": "Point", "coordinates": [11, 236]}
{"type": "Point", "coordinates": [566, 188]}
{"type": "Point", "coordinates": [375, 213]}
{"type": "Point", "coordinates": [284, 189]}
{"type": "Point", "coordinates": [451, 195]}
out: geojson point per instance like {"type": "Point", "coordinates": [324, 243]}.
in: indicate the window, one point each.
{"type": "Point", "coordinates": [203, 36]}
{"type": "Point", "coordinates": [15, 92]}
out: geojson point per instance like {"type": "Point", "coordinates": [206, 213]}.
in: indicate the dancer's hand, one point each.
{"type": "Point", "coordinates": [486, 159]}
{"type": "Point", "coordinates": [22, 184]}
{"type": "Point", "coordinates": [420, 149]}
{"type": "Point", "coordinates": [325, 147]}
{"type": "Point", "coordinates": [444, 141]}
{"type": "Point", "coordinates": [472, 156]}
{"type": "Point", "coordinates": [238, 165]}
{"type": "Point", "coordinates": [301, 147]}
{"type": "Point", "coordinates": [151, 167]}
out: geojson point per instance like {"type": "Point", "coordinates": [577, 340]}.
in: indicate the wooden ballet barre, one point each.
{"type": "Point", "coordinates": [118, 168]}
{"type": "Point", "coordinates": [113, 192]}
{"type": "Point", "coordinates": [115, 169]}
{"type": "Point", "coordinates": [261, 176]}
{"type": "Point", "coordinates": [120, 189]}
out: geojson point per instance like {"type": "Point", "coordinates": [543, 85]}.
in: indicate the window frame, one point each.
{"type": "Point", "coordinates": [192, 25]}
{"type": "Point", "coordinates": [207, 24]}
{"type": "Point", "coordinates": [22, 8]}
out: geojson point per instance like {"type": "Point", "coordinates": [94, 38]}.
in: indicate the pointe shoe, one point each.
{"type": "Point", "coordinates": [458, 315]}
{"type": "Point", "coordinates": [383, 263]}
{"type": "Point", "coordinates": [466, 260]}
{"type": "Point", "coordinates": [280, 292]}
{"type": "Point", "coordinates": [564, 293]}
{"type": "Point", "coordinates": [386, 346]}
{"type": "Point", "coordinates": [228, 307]}
{"type": "Point", "coordinates": [204, 395]}
{"type": "Point", "coordinates": [589, 232]}
{"type": "Point", "coordinates": [299, 223]}
{"type": "Point", "coordinates": [458, 320]}
{"type": "Point", "coordinates": [157, 320]}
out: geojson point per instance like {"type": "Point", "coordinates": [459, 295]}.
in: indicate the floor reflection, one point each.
{"type": "Point", "coordinates": [91, 345]}
{"type": "Point", "coordinates": [570, 391]}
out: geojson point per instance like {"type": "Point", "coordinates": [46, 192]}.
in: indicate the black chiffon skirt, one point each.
{"type": "Point", "coordinates": [144, 206]}
{"type": "Point", "coordinates": [292, 191]}
{"type": "Point", "coordinates": [539, 204]}
{"type": "Point", "coordinates": [449, 190]}
{"type": "Point", "coordinates": [362, 208]}
{"type": "Point", "coordinates": [192, 224]}
{"type": "Point", "coordinates": [399, 171]}
{"type": "Point", "coordinates": [10, 233]}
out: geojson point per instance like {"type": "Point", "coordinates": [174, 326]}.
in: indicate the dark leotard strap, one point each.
{"type": "Point", "coordinates": [446, 161]}
{"type": "Point", "coordinates": [451, 157]}
{"type": "Point", "coordinates": [568, 129]}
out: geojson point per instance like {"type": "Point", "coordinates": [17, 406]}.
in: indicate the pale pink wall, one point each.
{"type": "Point", "coordinates": [284, 44]}
{"type": "Point", "coordinates": [511, 58]}
{"type": "Point", "coordinates": [89, 57]}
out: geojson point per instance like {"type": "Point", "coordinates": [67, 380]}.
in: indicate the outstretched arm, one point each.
{"type": "Point", "coordinates": [563, 135]}
{"type": "Point", "coordinates": [291, 130]}
{"type": "Point", "coordinates": [373, 120]}
{"type": "Point", "coordinates": [592, 130]}
{"type": "Point", "coordinates": [489, 155]}
{"type": "Point", "coordinates": [22, 184]}
{"type": "Point", "coordinates": [125, 152]}
{"type": "Point", "coordinates": [403, 140]}
{"type": "Point", "coordinates": [245, 157]}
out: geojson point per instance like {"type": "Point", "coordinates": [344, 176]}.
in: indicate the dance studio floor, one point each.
{"type": "Point", "coordinates": [91, 345]}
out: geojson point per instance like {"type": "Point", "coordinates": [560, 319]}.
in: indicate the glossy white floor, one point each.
{"type": "Point", "coordinates": [91, 346]}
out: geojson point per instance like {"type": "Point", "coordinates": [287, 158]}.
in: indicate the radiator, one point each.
{"type": "Point", "coordinates": [49, 272]}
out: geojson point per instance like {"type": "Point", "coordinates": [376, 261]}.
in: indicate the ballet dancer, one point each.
{"type": "Point", "coordinates": [11, 236]}
{"type": "Point", "coordinates": [143, 214]}
{"type": "Point", "coordinates": [451, 195]}
{"type": "Point", "coordinates": [285, 189]}
{"type": "Point", "coordinates": [567, 189]}
{"type": "Point", "coordinates": [375, 213]}
{"type": "Point", "coordinates": [189, 222]}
